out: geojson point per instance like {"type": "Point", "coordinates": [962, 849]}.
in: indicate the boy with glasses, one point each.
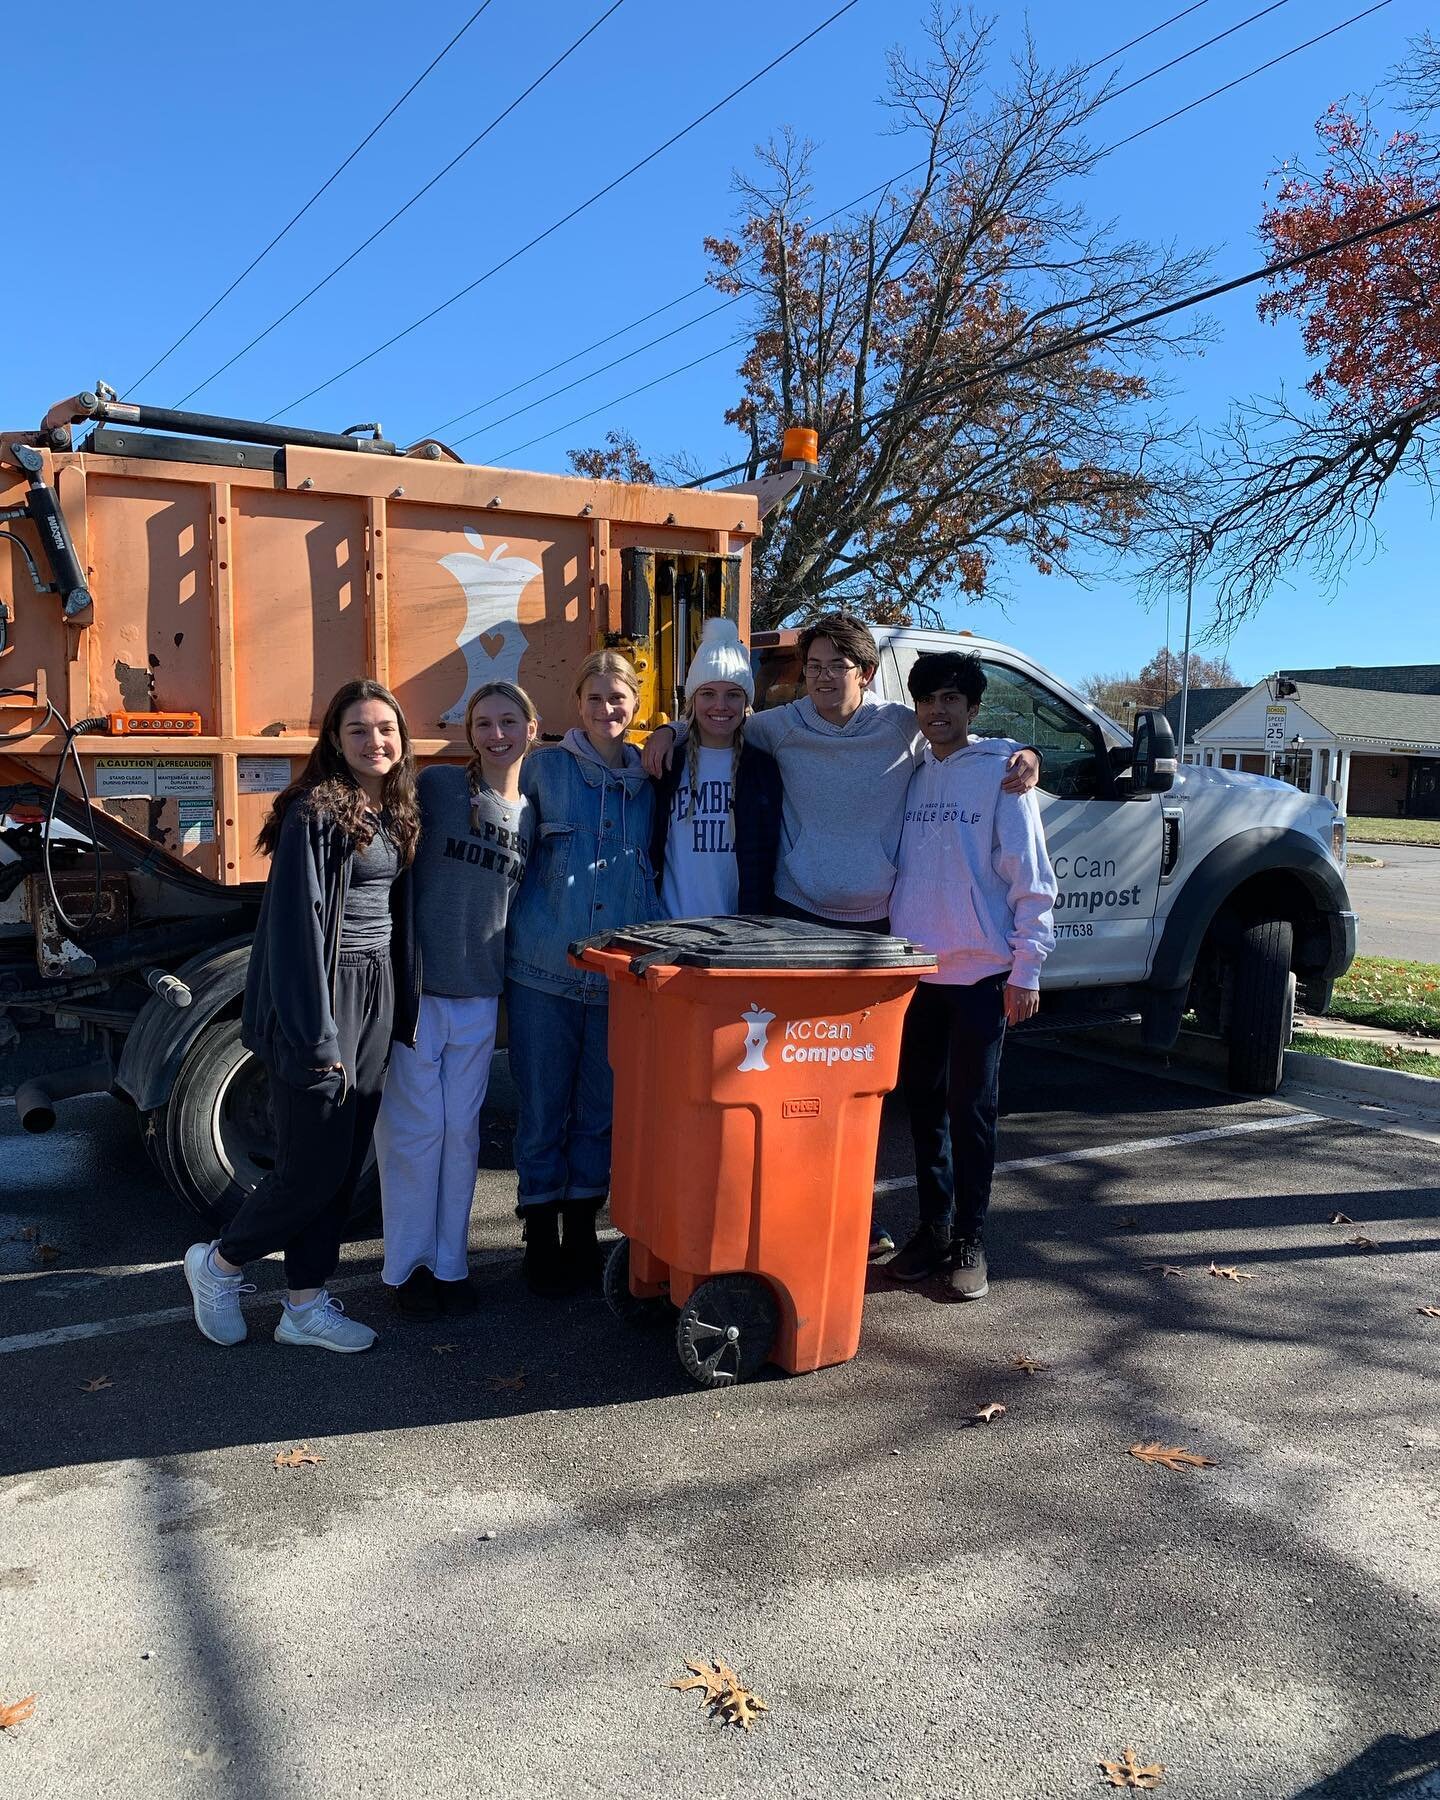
{"type": "Point", "coordinates": [845, 762]}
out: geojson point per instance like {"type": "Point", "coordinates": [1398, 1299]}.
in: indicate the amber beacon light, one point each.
{"type": "Point", "coordinates": [800, 444]}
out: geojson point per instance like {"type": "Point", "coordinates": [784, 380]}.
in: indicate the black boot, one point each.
{"type": "Point", "coordinates": [581, 1248]}
{"type": "Point", "coordinates": [544, 1270]}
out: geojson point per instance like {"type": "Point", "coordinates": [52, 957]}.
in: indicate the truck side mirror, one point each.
{"type": "Point", "coordinates": [1154, 761]}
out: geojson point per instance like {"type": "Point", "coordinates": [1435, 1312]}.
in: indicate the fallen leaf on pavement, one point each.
{"type": "Point", "coordinates": [992, 1411]}
{"type": "Point", "coordinates": [95, 1383]}
{"type": "Point", "coordinates": [1230, 1273]}
{"type": "Point", "coordinates": [1130, 1223]}
{"type": "Point", "coordinates": [1362, 1243]}
{"type": "Point", "coordinates": [15, 1712]}
{"type": "Point", "coordinates": [1170, 1456]}
{"type": "Point", "coordinates": [47, 1252]}
{"type": "Point", "coordinates": [702, 1675]}
{"type": "Point", "coordinates": [724, 1695]}
{"type": "Point", "coordinates": [209, 1758]}
{"type": "Point", "coordinates": [444, 1349]}
{"type": "Point", "coordinates": [295, 1459]}
{"type": "Point", "coordinates": [1429, 1312]}
{"type": "Point", "coordinates": [29, 1233]}
{"type": "Point", "coordinates": [1028, 1365]}
{"type": "Point", "coordinates": [515, 1382]}
{"type": "Point", "coordinates": [1129, 1772]}
{"type": "Point", "coordinates": [1341, 1219]}
{"type": "Point", "coordinates": [1167, 1268]}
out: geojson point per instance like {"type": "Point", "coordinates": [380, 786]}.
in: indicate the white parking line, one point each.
{"type": "Point", "coordinates": [172, 1315]}
{"type": "Point", "coordinates": [1134, 1147]}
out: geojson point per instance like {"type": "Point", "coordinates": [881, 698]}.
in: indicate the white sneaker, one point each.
{"type": "Point", "coordinates": [323, 1326]}
{"type": "Point", "coordinates": [216, 1297]}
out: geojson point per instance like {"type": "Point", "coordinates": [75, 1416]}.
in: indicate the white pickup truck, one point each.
{"type": "Point", "coordinates": [1181, 889]}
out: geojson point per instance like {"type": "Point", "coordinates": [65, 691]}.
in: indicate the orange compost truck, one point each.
{"type": "Point", "coordinates": [180, 594]}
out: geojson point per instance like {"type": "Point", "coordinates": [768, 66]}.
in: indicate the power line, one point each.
{"type": "Point", "coordinates": [845, 206]}
{"type": "Point", "coordinates": [1084, 339]}
{"type": "Point", "coordinates": [429, 68]}
{"type": "Point", "coordinates": [621, 398]}
{"type": "Point", "coordinates": [1284, 55]}
{"type": "Point", "coordinates": [709, 355]}
{"type": "Point", "coordinates": [1185, 55]}
{"type": "Point", "coordinates": [419, 194]}
{"type": "Point", "coordinates": [574, 213]}
{"type": "Point", "coordinates": [614, 363]}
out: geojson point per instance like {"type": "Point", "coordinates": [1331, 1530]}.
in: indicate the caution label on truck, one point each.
{"type": "Point", "coordinates": [124, 777]}
{"type": "Point", "coordinates": [154, 778]}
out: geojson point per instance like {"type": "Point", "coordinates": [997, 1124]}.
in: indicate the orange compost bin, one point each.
{"type": "Point", "coordinates": [751, 1057]}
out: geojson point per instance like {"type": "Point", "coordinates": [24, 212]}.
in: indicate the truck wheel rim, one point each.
{"type": "Point", "coordinates": [240, 1125]}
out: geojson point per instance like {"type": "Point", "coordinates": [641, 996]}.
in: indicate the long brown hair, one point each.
{"type": "Point", "coordinates": [326, 786]}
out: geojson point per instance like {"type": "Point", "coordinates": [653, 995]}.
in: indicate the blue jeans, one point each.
{"type": "Point", "coordinates": [950, 1077]}
{"type": "Point", "coordinates": [559, 1059]}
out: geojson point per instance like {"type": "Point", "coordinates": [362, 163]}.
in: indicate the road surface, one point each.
{"type": "Point", "coordinates": [523, 1523]}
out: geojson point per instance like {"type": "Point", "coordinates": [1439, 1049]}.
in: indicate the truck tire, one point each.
{"type": "Point", "coordinates": [1262, 1006]}
{"type": "Point", "coordinates": [218, 1139]}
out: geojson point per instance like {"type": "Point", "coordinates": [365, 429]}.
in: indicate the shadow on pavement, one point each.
{"type": "Point", "coordinates": [1390, 1766]}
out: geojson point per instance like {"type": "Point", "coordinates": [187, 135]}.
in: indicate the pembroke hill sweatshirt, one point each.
{"type": "Point", "coordinates": [975, 884]}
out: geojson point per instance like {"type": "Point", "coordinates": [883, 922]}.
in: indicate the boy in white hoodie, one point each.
{"type": "Point", "coordinates": [974, 886]}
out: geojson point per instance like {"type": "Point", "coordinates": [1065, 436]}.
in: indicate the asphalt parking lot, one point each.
{"type": "Point", "coordinates": [523, 1523]}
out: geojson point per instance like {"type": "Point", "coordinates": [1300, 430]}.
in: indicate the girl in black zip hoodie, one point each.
{"type": "Point", "coordinates": [333, 976]}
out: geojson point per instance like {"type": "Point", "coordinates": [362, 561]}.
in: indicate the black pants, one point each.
{"type": "Point", "coordinates": [950, 1077]}
{"type": "Point", "coordinates": [784, 910]}
{"type": "Point", "coordinates": [322, 1135]}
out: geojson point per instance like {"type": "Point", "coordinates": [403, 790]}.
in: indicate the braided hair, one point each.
{"type": "Point", "coordinates": [692, 765]}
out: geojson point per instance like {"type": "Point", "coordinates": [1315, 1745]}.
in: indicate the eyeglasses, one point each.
{"type": "Point", "coordinates": [818, 671]}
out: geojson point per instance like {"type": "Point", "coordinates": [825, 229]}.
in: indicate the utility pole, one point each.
{"type": "Point", "coordinates": [1185, 666]}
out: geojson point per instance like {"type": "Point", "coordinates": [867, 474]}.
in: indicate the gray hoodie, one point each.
{"type": "Point", "coordinates": [844, 804]}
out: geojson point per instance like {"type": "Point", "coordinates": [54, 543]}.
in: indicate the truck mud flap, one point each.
{"type": "Point", "coordinates": [156, 1045]}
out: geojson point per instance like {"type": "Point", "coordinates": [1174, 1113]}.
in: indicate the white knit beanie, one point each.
{"type": "Point", "coordinates": [721, 657]}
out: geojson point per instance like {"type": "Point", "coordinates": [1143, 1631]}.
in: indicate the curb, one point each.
{"type": "Point", "coordinates": [1397, 843]}
{"type": "Point", "coordinates": [1333, 1075]}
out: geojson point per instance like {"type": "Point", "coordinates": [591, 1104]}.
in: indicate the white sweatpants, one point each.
{"type": "Point", "coordinates": [427, 1138]}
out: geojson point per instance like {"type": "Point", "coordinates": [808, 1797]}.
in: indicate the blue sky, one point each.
{"type": "Point", "coordinates": [195, 132]}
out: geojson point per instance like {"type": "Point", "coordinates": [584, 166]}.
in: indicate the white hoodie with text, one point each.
{"type": "Point", "coordinates": [974, 882]}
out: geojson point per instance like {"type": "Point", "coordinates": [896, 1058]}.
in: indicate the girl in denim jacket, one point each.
{"type": "Point", "coordinates": [589, 871]}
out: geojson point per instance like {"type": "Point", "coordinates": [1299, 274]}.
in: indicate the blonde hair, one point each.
{"type": "Point", "coordinates": [516, 695]}
{"type": "Point", "coordinates": [692, 762]}
{"type": "Point", "coordinates": [607, 662]}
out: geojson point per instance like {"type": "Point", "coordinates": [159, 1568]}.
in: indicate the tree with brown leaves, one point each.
{"type": "Point", "coordinates": [890, 331]}
{"type": "Point", "coordinates": [1292, 483]}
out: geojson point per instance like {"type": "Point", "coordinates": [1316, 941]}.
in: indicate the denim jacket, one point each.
{"type": "Point", "coordinates": [589, 867]}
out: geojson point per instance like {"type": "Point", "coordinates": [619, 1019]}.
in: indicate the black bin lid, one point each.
{"type": "Point", "coordinates": [750, 941]}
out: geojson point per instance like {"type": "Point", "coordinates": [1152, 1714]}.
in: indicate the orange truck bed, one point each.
{"type": "Point", "coordinates": [244, 583]}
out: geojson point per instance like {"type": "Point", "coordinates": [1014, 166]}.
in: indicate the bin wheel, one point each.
{"type": "Point", "coordinates": [618, 1297]}
{"type": "Point", "coordinates": [726, 1330]}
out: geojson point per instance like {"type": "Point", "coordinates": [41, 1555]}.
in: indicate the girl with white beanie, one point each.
{"type": "Point", "coordinates": [717, 810]}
